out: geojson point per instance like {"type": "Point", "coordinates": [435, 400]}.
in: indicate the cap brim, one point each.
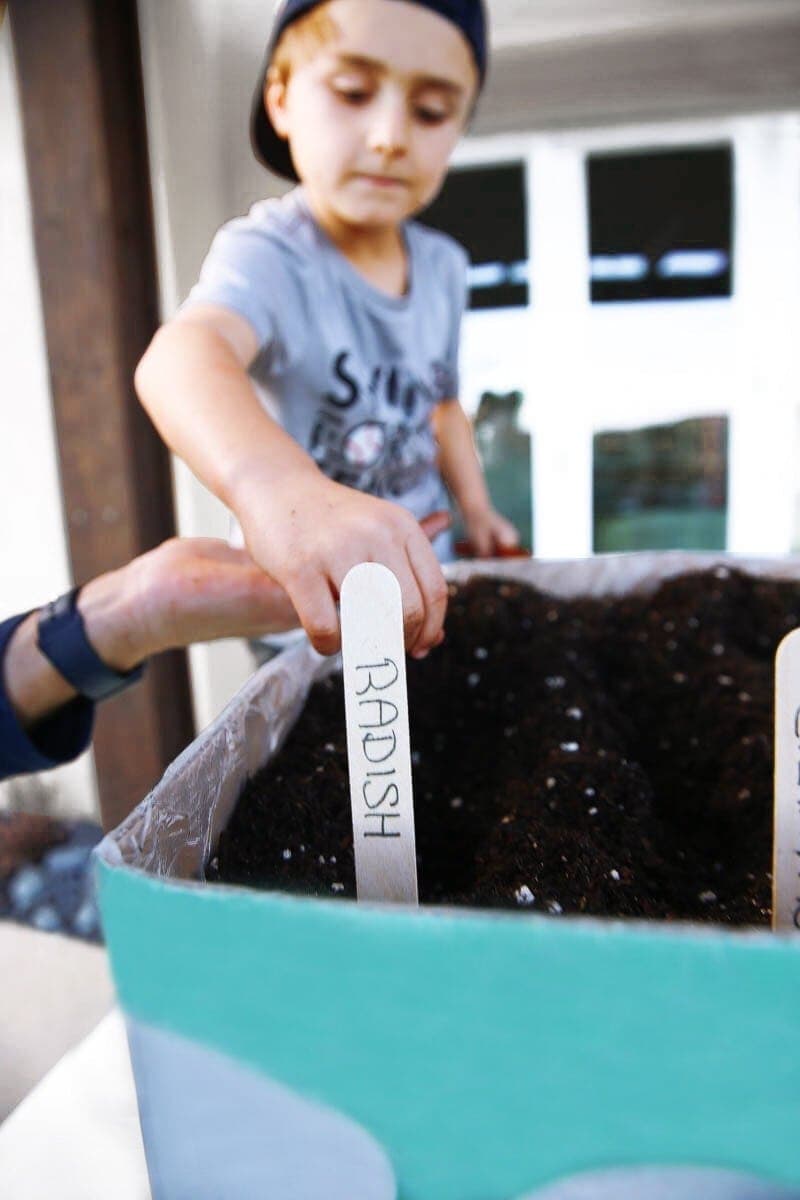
{"type": "Point", "coordinates": [268, 147]}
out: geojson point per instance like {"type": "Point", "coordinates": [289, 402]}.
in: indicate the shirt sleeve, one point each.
{"type": "Point", "coordinates": [242, 271]}
{"type": "Point", "coordinates": [458, 291]}
{"type": "Point", "coordinates": [55, 740]}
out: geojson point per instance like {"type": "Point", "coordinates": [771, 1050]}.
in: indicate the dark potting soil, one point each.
{"type": "Point", "coordinates": [584, 756]}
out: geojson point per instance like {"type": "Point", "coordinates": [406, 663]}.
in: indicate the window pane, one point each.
{"type": "Point", "coordinates": [663, 487]}
{"type": "Point", "coordinates": [484, 209]}
{"type": "Point", "coordinates": [660, 224]}
{"type": "Point", "coordinates": [504, 448]}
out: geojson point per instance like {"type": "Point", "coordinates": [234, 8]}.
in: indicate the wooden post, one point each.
{"type": "Point", "coordinates": [79, 75]}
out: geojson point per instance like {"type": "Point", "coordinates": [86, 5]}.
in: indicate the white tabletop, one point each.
{"type": "Point", "coordinates": [76, 1135]}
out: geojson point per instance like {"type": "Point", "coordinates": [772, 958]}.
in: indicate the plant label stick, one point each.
{"type": "Point", "coordinates": [786, 844]}
{"type": "Point", "coordinates": [378, 748]}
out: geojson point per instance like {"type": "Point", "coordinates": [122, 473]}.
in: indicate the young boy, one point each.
{"type": "Point", "coordinates": [343, 310]}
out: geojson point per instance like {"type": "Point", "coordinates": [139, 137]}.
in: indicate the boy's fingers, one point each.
{"type": "Point", "coordinates": [313, 602]}
{"type": "Point", "coordinates": [413, 604]}
{"type": "Point", "coordinates": [507, 535]}
{"type": "Point", "coordinates": [436, 523]}
{"type": "Point", "coordinates": [482, 543]}
{"type": "Point", "coordinates": [433, 588]}
{"type": "Point", "coordinates": [398, 563]}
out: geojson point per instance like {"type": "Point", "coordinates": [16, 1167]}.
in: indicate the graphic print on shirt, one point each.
{"type": "Point", "coordinates": [373, 430]}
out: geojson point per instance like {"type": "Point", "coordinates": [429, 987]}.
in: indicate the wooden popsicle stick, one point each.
{"type": "Point", "coordinates": [786, 844]}
{"type": "Point", "coordinates": [378, 747]}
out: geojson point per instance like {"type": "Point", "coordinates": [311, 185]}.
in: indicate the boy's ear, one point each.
{"type": "Point", "coordinates": [275, 104]}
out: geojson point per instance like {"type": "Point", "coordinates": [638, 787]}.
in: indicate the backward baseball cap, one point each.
{"type": "Point", "coordinates": [271, 149]}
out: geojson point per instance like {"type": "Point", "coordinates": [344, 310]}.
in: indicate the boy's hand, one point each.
{"type": "Point", "coordinates": [308, 532]}
{"type": "Point", "coordinates": [489, 532]}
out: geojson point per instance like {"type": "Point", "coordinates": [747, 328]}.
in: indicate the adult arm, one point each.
{"type": "Point", "coordinates": [181, 592]}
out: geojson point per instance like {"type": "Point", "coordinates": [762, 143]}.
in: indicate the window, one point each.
{"type": "Point", "coordinates": [484, 209]}
{"type": "Point", "coordinates": [663, 487]}
{"type": "Point", "coordinates": [505, 453]}
{"type": "Point", "coordinates": [660, 224]}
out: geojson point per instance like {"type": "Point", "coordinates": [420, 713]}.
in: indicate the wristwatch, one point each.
{"type": "Point", "coordinates": [61, 637]}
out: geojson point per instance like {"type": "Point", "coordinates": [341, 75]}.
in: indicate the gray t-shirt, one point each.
{"type": "Point", "coordinates": [351, 373]}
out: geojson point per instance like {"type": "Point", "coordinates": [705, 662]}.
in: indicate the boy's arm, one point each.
{"type": "Point", "coordinates": [300, 527]}
{"type": "Point", "coordinates": [486, 529]}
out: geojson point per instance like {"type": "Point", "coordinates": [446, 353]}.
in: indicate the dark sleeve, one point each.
{"type": "Point", "coordinates": [55, 740]}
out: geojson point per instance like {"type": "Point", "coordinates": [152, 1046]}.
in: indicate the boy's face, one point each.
{"type": "Point", "coordinates": [373, 116]}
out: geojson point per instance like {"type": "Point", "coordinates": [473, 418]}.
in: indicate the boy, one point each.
{"type": "Point", "coordinates": [343, 310]}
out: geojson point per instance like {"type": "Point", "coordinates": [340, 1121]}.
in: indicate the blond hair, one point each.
{"type": "Point", "coordinates": [300, 41]}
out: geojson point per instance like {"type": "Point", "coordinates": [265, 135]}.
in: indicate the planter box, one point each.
{"type": "Point", "coordinates": [292, 1047]}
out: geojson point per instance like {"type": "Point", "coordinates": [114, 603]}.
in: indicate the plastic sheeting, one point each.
{"type": "Point", "coordinates": [174, 831]}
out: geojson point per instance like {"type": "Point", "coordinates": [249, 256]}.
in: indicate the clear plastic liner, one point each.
{"type": "Point", "coordinates": [174, 831]}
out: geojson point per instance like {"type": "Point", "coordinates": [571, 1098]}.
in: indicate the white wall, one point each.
{"type": "Point", "coordinates": [34, 565]}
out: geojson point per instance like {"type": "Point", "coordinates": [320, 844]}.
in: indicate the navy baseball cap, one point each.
{"type": "Point", "coordinates": [272, 150]}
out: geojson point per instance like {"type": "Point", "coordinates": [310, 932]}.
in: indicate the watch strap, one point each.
{"type": "Point", "coordinates": [61, 637]}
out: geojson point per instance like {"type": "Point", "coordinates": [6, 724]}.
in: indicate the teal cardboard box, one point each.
{"type": "Point", "coordinates": [305, 1049]}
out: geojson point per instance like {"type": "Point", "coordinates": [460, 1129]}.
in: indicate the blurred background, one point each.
{"type": "Point", "coordinates": [629, 194]}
